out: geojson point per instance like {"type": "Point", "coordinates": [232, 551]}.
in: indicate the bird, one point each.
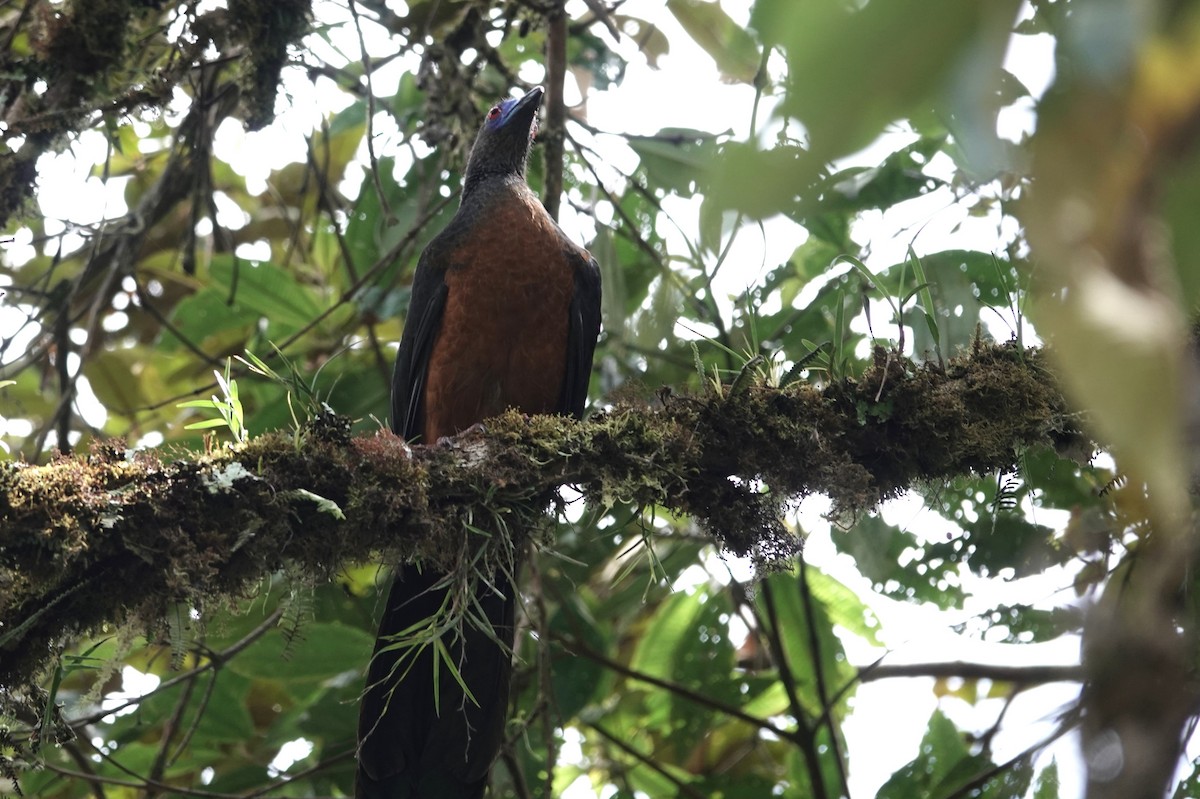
{"type": "Point", "coordinates": [504, 313]}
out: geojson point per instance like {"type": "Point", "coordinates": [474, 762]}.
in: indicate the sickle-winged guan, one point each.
{"type": "Point", "coordinates": [505, 312]}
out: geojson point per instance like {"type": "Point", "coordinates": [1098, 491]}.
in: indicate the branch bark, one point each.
{"type": "Point", "coordinates": [118, 535]}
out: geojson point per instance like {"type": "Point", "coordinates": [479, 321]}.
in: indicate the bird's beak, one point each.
{"type": "Point", "coordinates": [526, 110]}
{"type": "Point", "coordinates": [532, 100]}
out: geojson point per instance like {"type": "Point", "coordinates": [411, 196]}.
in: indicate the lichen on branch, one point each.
{"type": "Point", "coordinates": [119, 535]}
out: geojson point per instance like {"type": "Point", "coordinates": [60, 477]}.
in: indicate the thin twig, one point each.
{"type": "Point", "coordinates": [544, 672]}
{"type": "Point", "coordinates": [324, 201]}
{"type": "Point", "coordinates": [970, 787]}
{"type": "Point", "coordinates": [647, 760]}
{"type": "Point", "coordinates": [182, 746]}
{"type": "Point", "coordinates": [168, 733]}
{"type": "Point", "coordinates": [72, 750]}
{"type": "Point", "coordinates": [346, 754]}
{"type": "Point", "coordinates": [577, 647]}
{"type": "Point", "coordinates": [1023, 675]}
{"type": "Point", "coordinates": [174, 790]}
{"type": "Point", "coordinates": [556, 73]}
{"type": "Point", "coordinates": [366, 62]}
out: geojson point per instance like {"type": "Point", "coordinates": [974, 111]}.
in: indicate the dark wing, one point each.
{"type": "Point", "coordinates": [420, 331]}
{"type": "Point", "coordinates": [582, 330]}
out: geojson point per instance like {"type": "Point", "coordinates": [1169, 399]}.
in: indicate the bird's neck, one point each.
{"type": "Point", "coordinates": [481, 184]}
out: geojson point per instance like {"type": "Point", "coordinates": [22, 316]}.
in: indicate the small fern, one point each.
{"type": "Point", "coordinates": [298, 611]}
{"type": "Point", "coordinates": [177, 628]}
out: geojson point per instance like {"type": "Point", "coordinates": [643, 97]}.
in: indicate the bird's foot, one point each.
{"type": "Point", "coordinates": [445, 441]}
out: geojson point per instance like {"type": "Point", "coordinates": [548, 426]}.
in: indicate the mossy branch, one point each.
{"type": "Point", "coordinates": [118, 535]}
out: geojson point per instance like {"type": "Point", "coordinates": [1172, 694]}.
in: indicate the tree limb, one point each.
{"type": "Point", "coordinates": [120, 535]}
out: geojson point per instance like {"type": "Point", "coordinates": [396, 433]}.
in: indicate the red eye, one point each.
{"type": "Point", "coordinates": [494, 113]}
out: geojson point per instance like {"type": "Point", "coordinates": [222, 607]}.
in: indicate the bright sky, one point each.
{"type": "Point", "coordinates": [889, 718]}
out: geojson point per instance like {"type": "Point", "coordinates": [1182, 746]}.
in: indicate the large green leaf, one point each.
{"type": "Point", "coordinates": [805, 624]}
{"type": "Point", "coordinates": [268, 291]}
{"type": "Point", "coordinates": [677, 159]}
{"type": "Point", "coordinates": [687, 643]}
{"type": "Point", "coordinates": [733, 50]}
{"type": "Point", "coordinates": [317, 651]}
{"type": "Point", "coordinates": [891, 59]}
{"type": "Point", "coordinates": [578, 680]}
{"type": "Point", "coordinates": [879, 549]}
{"type": "Point", "coordinates": [941, 752]}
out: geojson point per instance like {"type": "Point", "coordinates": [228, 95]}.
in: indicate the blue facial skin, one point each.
{"type": "Point", "coordinates": [506, 106]}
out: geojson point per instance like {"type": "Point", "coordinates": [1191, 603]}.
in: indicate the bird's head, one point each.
{"type": "Point", "coordinates": [502, 145]}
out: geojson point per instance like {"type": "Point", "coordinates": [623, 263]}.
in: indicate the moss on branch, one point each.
{"type": "Point", "coordinates": [121, 535]}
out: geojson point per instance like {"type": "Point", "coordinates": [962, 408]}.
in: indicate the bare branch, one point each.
{"type": "Point", "coordinates": [1021, 675]}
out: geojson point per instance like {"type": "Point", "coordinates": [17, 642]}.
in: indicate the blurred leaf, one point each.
{"type": "Point", "coordinates": [762, 182]}
{"type": "Point", "coordinates": [890, 58]}
{"type": "Point", "coordinates": [1027, 624]}
{"type": "Point", "coordinates": [845, 608]}
{"type": "Point", "coordinates": [1181, 197]}
{"type": "Point", "coordinates": [879, 548]}
{"type": "Point", "coordinates": [578, 679]}
{"type": "Point", "coordinates": [268, 291]}
{"type": "Point", "coordinates": [797, 635]}
{"type": "Point", "coordinates": [676, 158]}
{"type": "Point", "coordinates": [225, 718]}
{"type": "Point", "coordinates": [322, 650]}
{"type": "Point", "coordinates": [1008, 541]}
{"type": "Point", "coordinates": [687, 643]}
{"type": "Point", "coordinates": [733, 50]}
{"type": "Point", "coordinates": [650, 39]}
{"type": "Point", "coordinates": [941, 751]}
{"type": "Point", "coordinates": [899, 177]}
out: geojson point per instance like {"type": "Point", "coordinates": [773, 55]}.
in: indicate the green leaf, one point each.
{"type": "Point", "coordinates": [731, 47]}
{"type": "Point", "coordinates": [797, 636]}
{"type": "Point", "coordinates": [899, 177]}
{"type": "Point", "coordinates": [891, 59]}
{"type": "Point", "coordinates": [845, 608]}
{"type": "Point", "coordinates": [1027, 624]}
{"type": "Point", "coordinates": [688, 643]}
{"type": "Point", "coordinates": [678, 159]}
{"type": "Point", "coordinates": [207, 424]}
{"type": "Point", "coordinates": [320, 651]}
{"type": "Point", "coordinates": [941, 751]}
{"type": "Point", "coordinates": [211, 324]}
{"type": "Point", "coordinates": [124, 379]}
{"type": "Point", "coordinates": [226, 719]}
{"type": "Point", "coordinates": [1007, 540]}
{"type": "Point", "coordinates": [879, 549]}
{"type": "Point", "coordinates": [267, 291]}
{"type": "Point", "coordinates": [669, 636]}
{"type": "Point", "coordinates": [762, 182]}
{"type": "Point", "coordinates": [650, 39]}
{"type": "Point", "coordinates": [1047, 784]}
{"type": "Point", "coordinates": [576, 687]}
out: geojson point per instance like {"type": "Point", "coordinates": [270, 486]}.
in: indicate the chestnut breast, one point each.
{"type": "Point", "coordinates": [503, 336]}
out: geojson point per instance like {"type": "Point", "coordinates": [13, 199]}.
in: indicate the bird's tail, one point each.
{"type": "Point", "coordinates": [420, 734]}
